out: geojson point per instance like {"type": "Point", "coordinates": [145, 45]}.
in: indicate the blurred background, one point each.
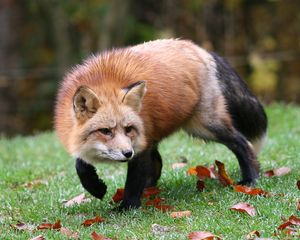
{"type": "Point", "coordinates": [41, 40]}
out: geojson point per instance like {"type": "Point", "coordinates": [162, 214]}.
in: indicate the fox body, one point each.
{"type": "Point", "coordinates": [118, 105]}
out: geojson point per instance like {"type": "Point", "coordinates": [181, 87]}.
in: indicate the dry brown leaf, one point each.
{"type": "Point", "coordinates": [253, 235]}
{"type": "Point", "coordinates": [96, 236]}
{"type": "Point", "coordinates": [22, 226]}
{"type": "Point", "coordinates": [178, 165]}
{"type": "Point", "coordinates": [69, 233]}
{"type": "Point", "coordinates": [151, 191]}
{"type": "Point", "coordinates": [39, 237]}
{"type": "Point", "coordinates": [224, 179]}
{"type": "Point", "coordinates": [91, 221]}
{"type": "Point", "coordinates": [119, 195]}
{"type": "Point", "coordinates": [202, 236]}
{"type": "Point", "coordinates": [159, 229]}
{"type": "Point", "coordinates": [77, 200]}
{"type": "Point", "coordinates": [250, 191]}
{"type": "Point", "coordinates": [154, 201]}
{"type": "Point", "coordinates": [35, 183]}
{"type": "Point", "coordinates": [277, 172]}
{"type": "Point", "coordinates": [244, 207]}
{"type": "Point", "coordinates": [56, 225]}
{"type": "Point", "coordinates": [290, 226]}
{"type": "Point", "coordinates": [204, 172]}
{"type": "Point", "coordinates": [180, 214]}
{"type": "Point", "coordinates": [200, 185]}
{"type": "Point", "coordinates": [164, 207]}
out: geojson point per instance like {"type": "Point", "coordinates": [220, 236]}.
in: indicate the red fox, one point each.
{"type": "Point", "coordinates": [118, 105]}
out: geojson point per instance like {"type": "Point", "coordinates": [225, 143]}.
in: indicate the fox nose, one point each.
{"type": "Point", "coordinates": [127, 153]}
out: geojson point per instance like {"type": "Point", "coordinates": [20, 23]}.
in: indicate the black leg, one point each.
{"type": "Point", "coordinates": [137, 175]}
{"type": "Point", "coordinates": [155, 167]}
{"type": "Point", "coordinates": [238, 144]}
{"type": "Point", "coordinates": [89, 179]}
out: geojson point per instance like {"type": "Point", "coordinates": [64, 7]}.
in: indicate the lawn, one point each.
{"type": "Point", "coordinates": [42, 157]}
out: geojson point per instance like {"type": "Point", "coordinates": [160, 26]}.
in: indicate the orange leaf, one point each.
{"type": "Point", "coordinates": [204, 172]}
{"type": "Point", "coordinates": [154, 202]}
{"type": "Point", "coordinates": [56, 225]}
{"type": "Point", "coordinates": [200, 185]}
{"type": "Point", "coordinates": [202, 236]}
{"type": "Point", "coordinates": [244, 207]}
{"type": "Point", "coordinates": [119, 195]}
{"type": "Point", "coordinates": [96, 236]}
{"type": "Point", "coordinates": [277, 172]}
{"type": "Point", "coordinates": [91, 221]}
{"type": "Point", "coordinates": [250, 191]}
{"type": "Point", "coordinates": [180, 214]}
{"type": "Point", "coordinates": [164, 207]}
{"type": "Point", "coordinates": [224, 179]}
{"type": "Point", "coordinates": [150, 191]}
{"type": "Point", "coordinates": [178, 165]}
{"type": "Point", "coordinates": [192, 171]}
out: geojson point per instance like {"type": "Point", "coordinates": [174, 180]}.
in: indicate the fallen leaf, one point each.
{"type": "Point", "coordinates": [204, 172]}
{"type": "Point", "coordinates": [150, 191]}
{"type": "Point", "coordinates": [22, 226]}
{"type": "Point", "coordinates": [91, 221]}
{"type": "Point", "coordinates": [244, 207]}
{"type": "Point", "coordinates": [290, 226]}
{"type": "Point", "coordinates": [294, 220]}
{"type": "Point", "coordinates": [77, 200]}
{"type": "Point", "coordinates": [39, 237]}
{"type": "Point", "coordinates": [56, 225]}
{"type": "Point", "coordinates": [96, 236]}
{"type": "Point", "coordinates": [202, 236]}
{"type": "Point", "coordinates": [224, 179]}
{"type": "Point", "coordinates": [298, 184]}
{"type": "Point", "coordinates": [192, 171]}
{"type": "Point", "coordinates": [180, 214]}
{"type": "Point", "coordinates": [164, 207]}
{"type": "Point", "coordinates": [159, 229]}
{"type": "Point", "coordinates": [154, 201]}
{"type": "Point", "coordinates": [200, 185]}
{"type": "Point", "coordinates": [119, 195]}
{"type": "Point", "coordinates": [253, 235]}
{"type": "Point", "coordinates": [35, 183]}
{"type": "Point", "coordinates": [250, 191]}
{"type": "Point", "coordinates": [69, 233]}
{"type": "Point", "coordinates": [277, 172]}
{"type": "Point", "coordinates": [178, 165]}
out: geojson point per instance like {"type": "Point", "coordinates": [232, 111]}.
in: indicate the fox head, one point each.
{"type": "Point", "coordinates": [107, 125]}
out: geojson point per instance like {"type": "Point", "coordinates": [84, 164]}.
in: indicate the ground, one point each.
{"type": "Point", "coordinates": [42, 157]}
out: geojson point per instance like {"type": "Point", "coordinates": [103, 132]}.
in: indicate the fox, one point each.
{"type": "Point", "coordinates": [119, 104]}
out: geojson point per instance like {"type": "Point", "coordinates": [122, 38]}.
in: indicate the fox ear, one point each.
{"type": "Point", "coordinates": [134, 94]}
{"type": "Point", "coordinates": [85, 103]}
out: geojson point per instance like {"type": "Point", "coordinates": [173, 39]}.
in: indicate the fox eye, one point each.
{"type": "Point", "coordinates": [129, 129]}
{"type": "Point", "coordinates": [105, 131]}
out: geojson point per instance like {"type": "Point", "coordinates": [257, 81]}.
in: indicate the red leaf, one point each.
{"type": "Point", "coordinates": [164, 207]}
{"type": "Point", "coordinates": [69, 233]}
{"type": "Point", "coordinates": [96, 236]}
{"type": "Point", "coordinates": [224, 179]}
{"type": "Point", "coordinates": [119, 195]}
{"type": "Point", "coordinates": [150, 191]}
{"type": "Point", "coordinates": [298, 184]}
{"type": "Point", "coordinates": [56, 225]}
{"type": "Point", "coordinates": [200, 185]}
{"type": "Point", "coordinates": [202, 236]}
{"type": "Point", "coordinates": [77, 200]}
{"type": "Point", "coordinates": [154, 202]}
{"type": "Point", "coordinates": [277, 172]}
{"type": "Point", "coordinates": [180, 214]}
{"type": "Point", "coordinates": [39, 237]}
{"type": "Point", "coordinates": [250, 191]}
{"type": "Point", "coordinates": [204, 172]}
{"type": "Point", "coordinates": [294, 220]}
{"type": "Point", "coordinates": [91, 221]}
{"type": "Point", "coordinates": [178, 165]}
{"type": "Point", "coordinates": [244, 207]}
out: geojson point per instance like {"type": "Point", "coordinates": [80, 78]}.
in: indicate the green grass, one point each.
{"type": "Point", "coordinates": [24, 159]}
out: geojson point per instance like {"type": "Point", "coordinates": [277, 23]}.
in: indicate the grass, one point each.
{"type": "Point", "coordinates": [24, 159]}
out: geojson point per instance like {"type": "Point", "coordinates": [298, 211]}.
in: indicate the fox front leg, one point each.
{"type": "Point", "coordinates": [89, 179]}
